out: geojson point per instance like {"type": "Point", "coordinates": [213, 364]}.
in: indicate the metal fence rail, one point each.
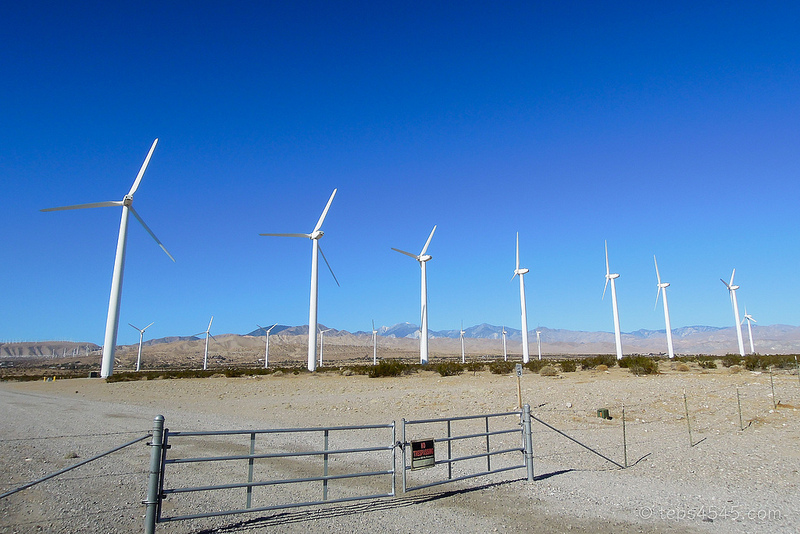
{"type": "Point", "coordinates": [162, 461]}
{"type": "Point", "coordinates": [485, 449]}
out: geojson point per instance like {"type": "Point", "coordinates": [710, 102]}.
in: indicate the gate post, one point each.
{"type": "Point", "coordinates": [153, 497]}
{"type": "Point", "coordinates": [526, 431]}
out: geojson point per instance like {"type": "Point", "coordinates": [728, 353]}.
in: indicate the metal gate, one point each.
{"type": "Point", "coordinates": [472, 447]}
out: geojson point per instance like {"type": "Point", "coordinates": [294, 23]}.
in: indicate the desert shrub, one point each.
{"type": "Point", "coordinates": [449, 368]}
{"type": "Point", "coordinates": [386, 368]}
{"type": "Point", "coordinates": [731, 359]}
{"type": "Point", "coordinates": [609, 360]}
{"type": "Point", "coordinates": [474, 367]}
{"type": "Point", "coordinates": [682, 367]}
{"type": "Point", "coordinates": [708, 364]}
{"type": "Point", "coordinates": [535, 365]}
{"type": "Point", "coordinates": [568, 366]}
{"type": "Point", "coordinates": [548, 370]}
{"type": "Point", "coordinates": [602, 367]}
{"type": "Point", "coordinates": [502, 368]}
{"type": "Point", "coordinates": [640, 365]}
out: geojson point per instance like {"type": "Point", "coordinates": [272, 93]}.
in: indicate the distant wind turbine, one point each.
{"type": "Point", "coordinates": [750, 320]}
{"type": "Point", "coordinates": [521, 273]}
{"type": "Point", "coordinates": [611, 277]}
{"type": "Point", "coordinates": [112, 320]}
{"type": "Point", "coordinates": [141, 336]}
{"type": "Point", "coordinates": [422, 258]}
{"type": "Point", "coordinates": [505, 351]}
{"type": "Point", "coordinates": [321, 343]}
{"type": "Point", "coordinates": [732, 292]}
{"type": "Point", "coordinates": [374, 344]}
{"type": "Point", "coordinates": [539, 342]}
{"type": "Point", "coordinates": [266, 346]}
{"type": "Point", "coordinates": [207, 332]}
{"type": "Point", "coordinates": [662, 290]}
{"type": "Point", "coordinates": [314, 236]}
{"type": "Point", "coordinates": [461, 335]}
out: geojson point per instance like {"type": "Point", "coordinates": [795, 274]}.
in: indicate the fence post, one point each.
{"type": "Point", "coordinates": [153, 497]}
{"type": "Point", "coordinates": [688, 423]}
{"type": "Point", "coordinates": [526, 431]}
{"type": "Point", "coordinates": [624, 439]}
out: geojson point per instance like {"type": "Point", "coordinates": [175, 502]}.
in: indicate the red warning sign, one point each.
{"type": "Point", "coordinates": [422, 454]}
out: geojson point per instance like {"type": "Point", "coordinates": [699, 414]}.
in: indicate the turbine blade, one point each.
{"type": "Point", "coordinates": [428, 242]}
{"type": "Point", "coordinates": [726, 284]}
{"type": "Point", "coordinates": [209, 324]}
{"type": "Point", "coordinates": [329, 267]}
{"type": "Point", "coordinates": [307, 236]}
{"type": "Point", "coordinates": [732, 274]}
{"type": "Point", "coordinates": [149, 231]}
{"type": "Point", "coordinates": [373, 325]}
{"type": "Point", "coordinates": [324, 212]}
{"type": "Point", "coordinates": [135, 327]}
{"type": "Point", "coordinates": [144, 168]}
{"type": "Point", "coordinates": [608, 271]}
{"type": "Point", "coordinates": [517, 267]}
{"type": "Point", "coordinates": [604, 290]}
{"type": "Point", "coordinates": [406, 253]}
{"type": "Point", "coordinates": [658, 276]}
{"type": "Point", "coordinates": [148, 326]}
{"type": "Point", "coordinates": [108, 204]}
{"type": "Point", "coordinates": [658, 293]}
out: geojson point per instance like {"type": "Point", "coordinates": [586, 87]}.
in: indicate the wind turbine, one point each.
{"type": "Point", "coordinates": [732, 291]}
{"type": "Point", "coordinates": [112, 320]}
{"type": "Point", "coordinates": [266, 349]}
{"type": "Point", "coordinates": [750, 320]}
{"type": "Point", "coordinates": [662, 290]}
{"type": "Point", "coordinates": [374, 344]}
{"type": "Point", "coordinates": [612, 277]}
{"type": "Point", "coordinates": [207, 332]}
{"type": "Point", "coordinates": [314, 236]}
{"type": "Point", "coordinates": [539, 342]}
{"type": "Point", "coordinates": [505, 351]}
{"type": "Point", "coordinates": [141, 336]}
{"type": "Point", "coordinates": [321, 341]}
{"type": "Point", "coordinates": [422, 258]}
{"type": "Point", "coordinates": [521, 272]}
{"type": "Point", "coordinates": [461, 335]}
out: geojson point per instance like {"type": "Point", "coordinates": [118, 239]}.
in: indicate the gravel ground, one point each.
{"type": "Point", "coordinates": [723, 479]}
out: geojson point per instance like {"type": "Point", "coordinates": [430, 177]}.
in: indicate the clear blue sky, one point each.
{"type": "Point", "coordinates": [669, 130]}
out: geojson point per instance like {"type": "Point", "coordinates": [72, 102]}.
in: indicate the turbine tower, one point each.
{"type": "Point", "coordinates": [266, 348]}
{"type": "Point", "coordinates": [374, 344]}
{"type": "Point", "coordinates": [461, 335]}
{"type": "Point", "coordinates": [732, 291]}
{"type": "Point", "coordinates": [505, 351]}
{"type": "Point", "coordinates": [662, 290]}
{"type": "Point", "coordinates": [112, 320]}
{"type": "Point", "coordinates": [141, 336]}
{"type": "Point", "coordinates": [539, 342]}
{"type": "Point", "coordinates": [612, 277]}
{"type": "Point", "coordinates": [314, 236]}
{"type": "Point", "coordinates": [321, 343]}
{"type": "Point", "coordinates": [521, 273]}
{"type": "Point", "coordinates": [422, 258]}
{"type": "Point", "coordinates": [207, 332]}
{"type": "Point", "coordinates": [750, 320]}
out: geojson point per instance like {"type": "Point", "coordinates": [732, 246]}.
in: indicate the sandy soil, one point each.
{"type": "Point", "coordinates": [722, 480]}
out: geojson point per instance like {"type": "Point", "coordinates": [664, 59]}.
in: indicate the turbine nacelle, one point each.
{"type": "Point", "coordinates": [521, 271]}
{"type": "Point", "coordinates": [424, 258]}
{"type": "Point", "coordinates": [613, 275]}
{"type": "Point", "coordinates": [663, 285]}
{"type": "Point", "coordinates": [316, 234]}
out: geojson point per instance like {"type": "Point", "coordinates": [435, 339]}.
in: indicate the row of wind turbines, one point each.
{"type": "Point", "coordinates": [661, 291]}
{"type": "Point", "coordinates": [112, 319]}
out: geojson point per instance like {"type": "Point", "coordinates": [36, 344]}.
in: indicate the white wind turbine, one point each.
{"type": "Point", "coordinates": [505, 351]}
{"type": "Point", "coordinates": [266, 346]}
{"type": "Point", "coordinates": [314, 236]}
{"type": "Point", "coordinates": [662, 290]}
{"type": "Point", "coordinates": [141, 336]}
{"type": "Point", "coordinates": [750, 320]}
{"type": "Point", "coordinates": [374, 344]}
{"type": "Point", "coordinates": [422, 258]}
{"type": "Point", "coordinates": [207, 332]}
{"type": "Point", "coordinates": [521, 272]}
{"type": "Point", "coordinates": [539, 342]}
{"type": "Point", "coordinates": [112, 320]}
{"type": "Point", "coordinates": [732, 291]}
{"type": "Point", "coordinates": [611, 277]}
{"type": "Point", "coordinates": [461, 335]}
{"type": "Point", "coordinates": [321, 343]}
